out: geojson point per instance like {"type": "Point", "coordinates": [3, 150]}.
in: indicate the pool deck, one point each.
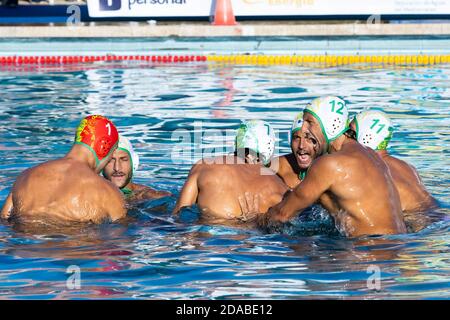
{"type": "Point", "coordinates": [246, 29]}
{"type": "Point", "coordinates": [269, 37]}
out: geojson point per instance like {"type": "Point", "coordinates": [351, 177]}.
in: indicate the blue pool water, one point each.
{"type": "Point", "coordinates": [157, 256]}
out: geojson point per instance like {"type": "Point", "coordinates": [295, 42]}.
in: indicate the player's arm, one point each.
{"type": "Point", "coordinates": [156, 194]}
{"type": "Point", "coordinates": [319, 179]}
{"type": "Point", "coordinates": [189, 192]}
{"type": "Point", "coordinates": [7, 207]}
{"type": "Point", "coordinates": [150, 193]}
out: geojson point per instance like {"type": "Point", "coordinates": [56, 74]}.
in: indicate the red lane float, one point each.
{"type": "Point", "coordinates": [66, 59]}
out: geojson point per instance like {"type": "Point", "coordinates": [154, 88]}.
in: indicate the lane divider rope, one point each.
{"type": "Point", "coordinates": [252, 59]}
{"type": "Point", "coordinates": [332, 60]}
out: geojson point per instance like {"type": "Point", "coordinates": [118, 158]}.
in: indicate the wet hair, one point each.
{"type": "Point", "coordinates": [350, 133]}
{"type": "Point", "coordinates": [247, 151]}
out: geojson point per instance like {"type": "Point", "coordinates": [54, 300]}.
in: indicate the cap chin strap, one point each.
{"type": "Point", "coordinates": [302, 175]}
{"type": "Point", "coordinates": [126, 192]}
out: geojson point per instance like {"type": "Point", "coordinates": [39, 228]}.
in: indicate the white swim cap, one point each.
{"type": "Point", "coordinates": [373, 129]}
{"type": "Point", "coordinates": [332, 114]}
{"type": "Point", "coordinates": [256, 135]}
{"type": "Point", "coordinates": [125, 145]}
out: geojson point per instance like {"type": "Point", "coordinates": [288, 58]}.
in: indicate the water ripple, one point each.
{"type": "Point", "coordinates": [159, 257]}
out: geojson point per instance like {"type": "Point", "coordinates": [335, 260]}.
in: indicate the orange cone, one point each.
{"type": "Point", "coordinates": [224, 15]}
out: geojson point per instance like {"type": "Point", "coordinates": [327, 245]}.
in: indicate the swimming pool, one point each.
{"type": "Point", "coordinates": [156, 256]}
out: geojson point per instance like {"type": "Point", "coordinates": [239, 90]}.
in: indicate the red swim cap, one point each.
{"type": "Point", "coordinates": [98, 133]}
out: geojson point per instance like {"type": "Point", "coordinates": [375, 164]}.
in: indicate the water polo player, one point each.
{"type": "Point", "coordinates": [121, 169]}
{"type": "Point", "coordinates": [351, 181]}
{"type": "Point", "coordinates": [374, 130]}
{"type": "Point", "coordinates": [219, 185]}
{"type": "Point", "coordinates": [70, 189]}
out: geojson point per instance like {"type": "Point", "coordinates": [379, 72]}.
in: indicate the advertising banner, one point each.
{"type": "Point", "coordinates": [205, 8]}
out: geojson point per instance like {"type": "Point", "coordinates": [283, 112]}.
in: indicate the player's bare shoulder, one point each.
{"type": "Point", "coordinates": [400, 164]}
{"type": "Point", "coordinates": [50, 174]}
{"type": "Point", "coordinates": [356, 156]}
{"type": "Point", "coordinates": [329, 163]}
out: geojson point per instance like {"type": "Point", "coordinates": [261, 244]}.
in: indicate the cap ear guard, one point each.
{"type": "Point", "coordinates": [103, 146]}
{"type": "Point", "coordinates": [337, 124]}
{"type": "Point", "coordinates": [111, 151]}
{"type": "Point", "coordinates": [125, 145]}
{"type": "Point", "coordinates": [135, 159]}
{"type": "Point", "coordinates": [367, 138]}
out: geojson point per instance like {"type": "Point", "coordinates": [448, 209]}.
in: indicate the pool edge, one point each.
{"type": "Point", "coordinates": [241, 30]}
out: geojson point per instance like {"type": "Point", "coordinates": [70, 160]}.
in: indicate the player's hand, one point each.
{"type": "Point", "coordinates": [271, 219]}
{"type": "Point", "coordinates": [249, 204]}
